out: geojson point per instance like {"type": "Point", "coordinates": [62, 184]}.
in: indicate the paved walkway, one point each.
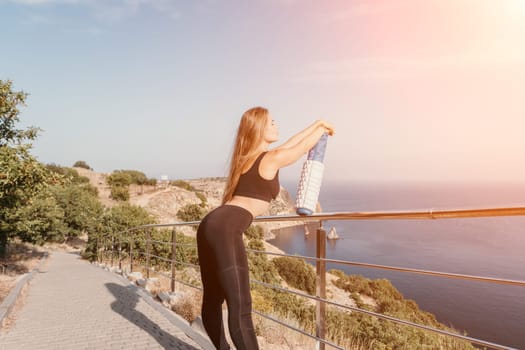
{"type": "Point", "coordinates": [71, 304]}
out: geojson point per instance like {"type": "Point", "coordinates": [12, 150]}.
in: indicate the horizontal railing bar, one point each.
{"type": "Point", "coordinates": [297, 329]}
{"type": "Point", "coordinates": [288, 290]}
{"type": "Point", "coordinates": [177, 244]}
{"type": "Point", "coordinates": [404, 269]}
{"type": "Point", "coordinates": [188, 264]}
{"type": "Point", "coordinates": [186, 245]}
{"type": "Point", "coordinates": [169, 276]}
{"type": "Point", "coordinates": [377, 215]}
{"type": "Point", "coordinates": [186, 223]}
{"type": "Point", "coordinates": [163, 274]}
{"type": "Point", "coordinates": [154, 241]}
{"type": "Point", "coordinates": [393, 319]}
{"type": "Point", "coordinates": [167, 260]}
{"type": "Point", "coordinates": [188, 284]}
{"type": "Point", "coordinates": [421, 214]}
{"type": "Point", "coordinates": [156, 256]}
{"type": "Point", "coordinates": [283, 254]}
{"type": "Point", "coordinates": [432, 273]}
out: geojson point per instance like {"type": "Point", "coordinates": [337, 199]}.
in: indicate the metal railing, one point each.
{"type": "Point", "coordinates": [320, 263]}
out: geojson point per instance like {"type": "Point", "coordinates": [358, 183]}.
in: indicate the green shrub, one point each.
{"type": "Point", "coordinates": [337, 273]}
{"type": "Point", "coordinates": [127, 177]}
{"type": "Point", "coordinates": [385, 334]}
{"type": "Point", "coordinates": [119, 193]}
{"type": "Point", "coordinates": [118, 178]}
{"type": "Point", "coordinates": [182, 184]}
{"type": "Point", "coordinates": [296, 273]}
{"type": "Point", "coordinates": [203, 199]}
{"type": "Point", "coordinates": [82, 164]}
{"type": "Point", "coordinates": [254, 232]}
{"type": "Point", "coordinates": [70, 175]}
{"type": "Point", "coordinates": [191, 212]}
{"type": "Point", "coordinates": [185, 252]}
{"type": "Point", "coordinates": [260, 267]}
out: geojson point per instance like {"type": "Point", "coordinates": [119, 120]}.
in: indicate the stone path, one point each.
{"type": "Point", "coordinates": [71, 304]}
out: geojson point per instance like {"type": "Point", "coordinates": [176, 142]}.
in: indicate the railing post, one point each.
{"type": "Point", "coordinates": [131, 241]}
{"type": "Point", "coordinates": [148, 235]}
{"type": "Point", "coordinates": [320, 282]}
{"type": "Point", "coordinates": [120, 253]}
{"type": "Point", "coordinates": [173, 257]}
{"type": "Point", "coordinates": [105, 250]}
{"type": "Point", "coordinates": [98, 251]}
{"type": "Point", "coordinates": [112, 249]}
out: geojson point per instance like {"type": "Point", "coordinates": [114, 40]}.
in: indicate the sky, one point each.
{"type": "Point", "coordinates": [418, 91]}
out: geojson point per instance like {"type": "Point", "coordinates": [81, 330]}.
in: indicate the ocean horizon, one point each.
{"type": "Point", "coordinates": [492, 247]}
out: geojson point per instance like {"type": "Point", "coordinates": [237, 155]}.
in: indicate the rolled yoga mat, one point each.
{"type": "Point", "coordinates": [311, 178]}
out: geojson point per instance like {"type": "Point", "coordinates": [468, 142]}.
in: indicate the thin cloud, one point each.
{"type": "Point", "coordinates": [38, 19]}
{"type": "Point", "coordinates": [365, 9]}
{"type": "Point", "coordinates": [110, 10]}
{"type": "Point", "coordinates": [404, 67]}
{"type": "Point", "coordinates": [43, 2]}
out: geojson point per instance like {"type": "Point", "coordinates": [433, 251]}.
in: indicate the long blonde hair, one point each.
{"type": "Point", "coordinates": [250, 135]}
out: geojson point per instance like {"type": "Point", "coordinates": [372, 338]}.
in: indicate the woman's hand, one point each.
{"type": "Point", "coordinates": [328, 127]}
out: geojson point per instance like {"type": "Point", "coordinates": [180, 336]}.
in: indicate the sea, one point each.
{"type": "Point", "coordinates": [491, 247]}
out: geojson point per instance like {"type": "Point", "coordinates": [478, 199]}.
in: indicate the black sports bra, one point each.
{"type": "Point", "coordinates": [252, 185]}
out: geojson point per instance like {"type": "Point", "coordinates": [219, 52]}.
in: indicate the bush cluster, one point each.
{"type": "Point", "coordinates": [191, 212]}
{"type": "Point", "coordinates": [296, 273]}
{"type": "Point", "coordinates": [183, 184]}
{"type": "Point", "coordinates": [82, 164]}
{"type": "Point", "coordinates": [120, 180]}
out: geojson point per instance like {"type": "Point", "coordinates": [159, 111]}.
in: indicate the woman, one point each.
{"type": "Point", "coordinates": [252, 183]}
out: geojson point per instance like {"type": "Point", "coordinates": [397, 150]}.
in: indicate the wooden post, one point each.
{"type": "Point", "coordinates": [131, 254]}
{"type": "Point", "coordinates": [112, 249]}
{"type": "Point", "coordinates": [173, 258]}
{"type": "Point", "coordinates": [120, 252]}
{"type": "Point", "coordinates": [320, 282]}
{"type": "Point", "coordinates": [148, 235]}
{"type": "Point", "coordinates": [98, 251]}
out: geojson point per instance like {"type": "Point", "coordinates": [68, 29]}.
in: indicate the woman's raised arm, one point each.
{"type": "Point", "coordinates": [292, 141]}
{"type": "Point", "coordinates": [295, 147]}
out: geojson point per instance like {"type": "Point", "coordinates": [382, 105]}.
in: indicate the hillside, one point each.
{"type": "Point", "coordinates": [164, 200]}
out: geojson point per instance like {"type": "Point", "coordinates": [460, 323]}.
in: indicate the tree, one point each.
{"type": "Point", "coordinates": [9, 104]}
{"type": "Point", "coordinates": [82, 209]}
{"type": "Point", "coordinates": [82, 164]}
{"type": "Point", "coordinates": [118, 178]}
{"type": "Point", "coordinates": [114, 223]}
{"type": "Point", "coordinates": [21, 175]}
{"type": "Point", "coordinates": [40, 221]}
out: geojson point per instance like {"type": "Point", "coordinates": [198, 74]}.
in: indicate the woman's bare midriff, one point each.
{"type": "Point", "coordinates": [255, 206]}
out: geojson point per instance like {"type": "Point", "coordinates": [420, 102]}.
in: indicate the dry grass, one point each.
{"type": "Point", "coordinates": [273, 336]}
{"type": "Point", "coordinates": [189, 306]}
{"type": "Point", "coordinates": [9, 321]}
{"type": "Point", "coordinates": [6, 284]}
{"type": "Point", "coordinates": [21, 258]}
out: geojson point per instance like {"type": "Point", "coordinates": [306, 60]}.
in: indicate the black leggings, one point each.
{"type": "Point", "coordinates": [225, 276]}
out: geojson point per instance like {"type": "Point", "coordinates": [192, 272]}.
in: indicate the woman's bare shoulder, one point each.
{"type": "Point", "coordinates": [269, 164]}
